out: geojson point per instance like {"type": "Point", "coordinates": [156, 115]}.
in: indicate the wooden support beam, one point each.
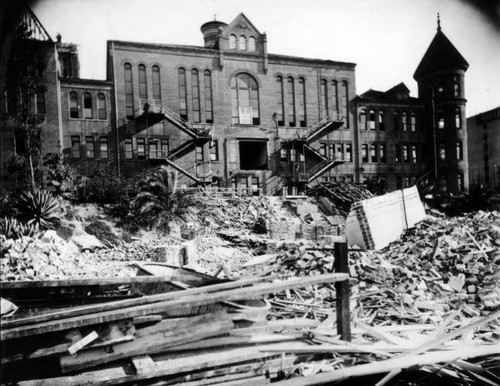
{"type": "Point", "coordinates": [152, 339]}
{"type": "Point", "coordinates": [341, 265]}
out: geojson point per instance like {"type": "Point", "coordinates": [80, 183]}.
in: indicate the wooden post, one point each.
{"type": "Point", "coordinates": [341, 264]}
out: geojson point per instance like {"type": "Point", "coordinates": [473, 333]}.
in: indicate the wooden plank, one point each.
{"type": "Point", "coordinates": [83, 342]}
{"type": "Point", "coordinates": [152, 339]}
{"type": "Point", "coordinates": [194, 363]}
{"type": "Point", "coordinates": [143, 364]}
{"type": "Point", "coordinates": [6, 285]}
{"type": "Point", "coordinates": [343, 308]}
{"type": "Point", "coordinates": [84, 379]}
{"type": "Point", "coordinates": [393, 364]}
{"type": "Point", "coordinates": [179, 303]}
{"type": "Point", "coordinates": [77, 311]}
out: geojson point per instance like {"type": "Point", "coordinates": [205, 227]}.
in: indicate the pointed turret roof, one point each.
{"type": "Point", "coordinates": [441, 54]}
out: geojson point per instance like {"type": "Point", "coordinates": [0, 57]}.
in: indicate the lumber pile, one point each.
{"type": "Point", "coordinates": [219, 331]}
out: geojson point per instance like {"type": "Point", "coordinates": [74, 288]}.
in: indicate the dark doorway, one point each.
{"type": "Point", "coordinates": [253, 155]}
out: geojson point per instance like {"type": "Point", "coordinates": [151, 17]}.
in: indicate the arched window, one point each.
{"type": "Point", "coordinates": [245, 100]}
{"type": "Point", "coordinates": [209, 108]}
{"type": "Point", "coordinates": [101, 106]}
{"type": "Point", "coordinates": [195, 90]}
{"type": "Point", "coordinates": [156, 83]}
{"type": "Point", "coordinates": [242, 43]}
{"type": "Point", "coordinates": [232, 42]}
{"type": "Point", "coordinates": [335, 98]}
{"type": "Point", "coordinates": [251, 43]}
{"type": "Point", "coordinates": [129, 91]}
{"type": "Point", "coordinates": [395, 120]}
{"type": "Point", "coordinates": [87, 105]}
{"type": "Point", "coordinates": [372, 120]}
{"type": "Point", "coordinates": [279, 101]}
{"type": "Point", "coordinates": [381, 123]}
{"type": "Point", "coordinates": [73, 105]}
{"type": "Point", "coordinates": [182, 93]}
{"type": "Point", "coordinates": [324, 99]}
{"type": "Point", "coordinates": [404, 121]}
{"type": "Point", "coordinates": [362, 119]}
{"type": "Point", "coordinates": [302, 102]}
{"type": "Point", "coordinates": [290, 101]}
{"type": "Point", "coordinates": [143, 87]}
{"type": "Point", "coordinates": [344, 102]}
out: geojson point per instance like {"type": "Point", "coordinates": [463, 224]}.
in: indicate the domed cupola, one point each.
{"type": "Point", "coordinates": [211, 32]}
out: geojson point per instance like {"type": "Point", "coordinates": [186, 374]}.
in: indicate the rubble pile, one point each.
{"type": "Point", "coordinates": [340, 195]}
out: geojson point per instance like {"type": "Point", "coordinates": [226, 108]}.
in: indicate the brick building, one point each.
{"type": "Point", "coordinates": [483, 136]}
{"type": "Point", "coordinates": [231, 115]}
{"type": "Point", "coordinates": [401, 139]}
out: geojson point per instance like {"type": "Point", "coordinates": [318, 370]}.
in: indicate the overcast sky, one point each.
{"type": "Point", "coordinates": [385, 38]}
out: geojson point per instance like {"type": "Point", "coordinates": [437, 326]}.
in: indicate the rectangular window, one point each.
{"type": "Point", "coordinates": [293, 154]}
{"type": "Point", "coordinates": [440, 119]}
{"type": "Point", "coordinates": [442, 152]}
{"type": "Point", "coordinates": [283, 153]}
{"type": "Point", "coordinates": [75, 146]}
{"type": "Point", "coordinates": [199, 153]}
{"type": "Point", "coordinates": [414, 154]}
{"type": "Point", "coordinates": [214, 150]}
{"type": "Point", "coordinates": [103, 147]}
{"type": "Point", "coordinates": [129, 153]}
{"type": "Point", "coordinates": [348, 152]}
{"type": "Point", "coordinates": [461, 185]}
{"type": "Point", "coordinates": [255, 186]}
{"type": "Point", "coordinates": [460, 151]}
{"type": "Point", "coordinates": [406, 155]}
{"type": "Point", "coordinates": [89, 147]}
{"type": "Point", "coordinates": [364, 153]}
{"type": "Point", "coordinates": [399, 182]}
{"type": "Point", "coordinates": [165, 148]}
{"type": "Point", "coordinates": [129, 91]}
{"type": "Point", "coordinates": [40, 102]}
{"type": "Point", "coordinates": [141, 148]}
{"type": "Point", "coordinates": [373, 153]}
{"type": "Point", "coordinates": [362, 120]}
{"type": "Point", "coordinates": [413, 122]}
{"type": "Point", "coordinates": [382, 152]}
{"type": "Point", "coordinates": [404, 122]}
{"type": "Point", "coordinates": [244, 185]}
{"type": "Point", "coordinates": [458, 119]}
{"type": "Point", "coordinates": [154, 148]}
{"type": "Point", "coordinates": [344, 102]}
{"type": "Point", "coordinates": [397, 153]}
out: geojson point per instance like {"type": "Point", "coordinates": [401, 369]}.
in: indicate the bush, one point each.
{"type": "Point", "coordinates": [60, 175]}
{"type": "Point", "coordinates": [103, 188]}
{"type": "Point", "coordinates": [103, 232]}
{"type": "Point", "coordinates": [39, 208]}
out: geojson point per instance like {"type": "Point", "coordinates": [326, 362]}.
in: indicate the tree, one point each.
{"type": "Point", "coordinates": [24, 84]}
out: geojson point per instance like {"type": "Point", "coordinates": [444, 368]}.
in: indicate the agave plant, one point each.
{"type": "Point", "coordinates": [39, 208]}
{"type": "Point", "coordinates": [13, 229]}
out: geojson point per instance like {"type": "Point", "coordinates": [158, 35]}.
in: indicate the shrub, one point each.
{"type": "Point", "coordinates": [103, 188]}
{"type": "Point", "coordinates": [60, 174]}
{"type": "Point", "coordinates": [103, 232]}
{"type": "Point", "coordinates": [39, 208]}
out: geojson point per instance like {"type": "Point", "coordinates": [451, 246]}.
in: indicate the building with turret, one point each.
{"type": "Point", "coordinates": [402, 139]}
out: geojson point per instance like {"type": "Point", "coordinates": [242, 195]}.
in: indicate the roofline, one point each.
{"type": "Point", "coordinates": [212, 51]}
